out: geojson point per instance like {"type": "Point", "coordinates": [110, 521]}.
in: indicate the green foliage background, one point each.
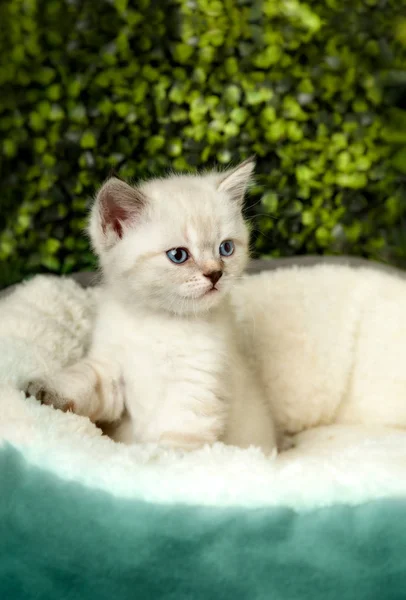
{"type": "Point", "coordinates": [316, 89]}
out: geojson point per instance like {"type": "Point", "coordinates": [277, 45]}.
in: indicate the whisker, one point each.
{"type": "Point", "coordinates": [263, 234]}
{"type": "Point", "coordinates": [260, 215]}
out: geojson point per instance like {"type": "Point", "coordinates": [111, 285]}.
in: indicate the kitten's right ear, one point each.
{"type": "Point", "coordinates": [117, 207]}
{"type": "Point", "coordinates": [235, 181]}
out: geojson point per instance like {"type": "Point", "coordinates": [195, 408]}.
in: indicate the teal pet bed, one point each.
{"type": "Point", "coordinates": [82, 517]}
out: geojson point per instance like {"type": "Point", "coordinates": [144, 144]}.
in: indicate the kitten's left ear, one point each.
{"type": "Point", "coordinates": [235, 181]}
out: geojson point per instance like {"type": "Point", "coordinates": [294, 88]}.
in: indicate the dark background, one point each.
{"type": "Point", "coordinates": [317, 90]}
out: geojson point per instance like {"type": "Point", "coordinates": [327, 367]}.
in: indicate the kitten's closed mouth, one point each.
{"type": "Point", "coordinates": [209, 292]}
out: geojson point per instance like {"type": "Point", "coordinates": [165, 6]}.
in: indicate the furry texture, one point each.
{"type": "Point", "coordinates": [82, 516]}
{"type": "Point", "coordinates": [165, 362]}
{"type": "Point", "coordinates": [44, 323]}
{"type": "Point", "coordinates": [332, 464]}
{"type": "Point", "coordinates": [328, 344]}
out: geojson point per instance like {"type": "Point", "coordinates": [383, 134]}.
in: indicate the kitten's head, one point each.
{"type": "Point", "coordinates": [174, 244]}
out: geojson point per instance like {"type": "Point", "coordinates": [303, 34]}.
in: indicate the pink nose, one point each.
{"type": "Point", "coordinates": [214, 276]}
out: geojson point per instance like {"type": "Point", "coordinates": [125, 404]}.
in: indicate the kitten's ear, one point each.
{"type": "Point", "coordinates": [235, 181]}
{"type": "Point", "coordinates": [117, 207]}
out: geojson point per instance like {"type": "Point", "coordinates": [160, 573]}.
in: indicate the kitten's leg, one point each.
{"type": "Point", "coordinates": [250, 422]}
{"type": "Point", "coordinates": [90, 388]}
{"type": "Point", "coordinates": [188, 423]}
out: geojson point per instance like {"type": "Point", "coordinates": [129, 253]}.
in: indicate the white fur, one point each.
{"type": "Point", "coordinates": [165, 361]}
{"type": "Point", "coordinates": [48, 321]}
{"type": "Point", "coordinates": [335, 464]}
{"type": "Point", "coordinates": [44, 324]}
{"type": "Point", "coordinates": [328, 344]}
{"type": "Point", "coordinates": [172, 364]}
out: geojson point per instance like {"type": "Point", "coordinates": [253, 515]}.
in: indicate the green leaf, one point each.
{"type": "Point", "coordinates": [399, 160]}
{"type": "Point", "coordinates": [314, 89]}
{"type": "Point", "coordinates": [88, 140]}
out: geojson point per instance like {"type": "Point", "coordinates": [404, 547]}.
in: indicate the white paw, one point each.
{"type": "Point", "coordinates": [45, 393]}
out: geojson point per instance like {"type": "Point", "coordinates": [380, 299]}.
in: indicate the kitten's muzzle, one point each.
{"type": "Point", "coordinates": [214, 276]}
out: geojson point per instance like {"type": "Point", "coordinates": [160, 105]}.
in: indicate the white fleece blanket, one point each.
{"type": "Point", "coordinates": [47, 323]}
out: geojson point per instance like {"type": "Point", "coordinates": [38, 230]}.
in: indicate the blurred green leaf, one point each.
{"type": "Point", "coordinates": [88, 140]}
{"type": "Point", "coordinates": [316, 90]}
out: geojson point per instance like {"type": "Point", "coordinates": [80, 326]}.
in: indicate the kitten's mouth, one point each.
{"type": "Point", "coordinates": [210, 292]}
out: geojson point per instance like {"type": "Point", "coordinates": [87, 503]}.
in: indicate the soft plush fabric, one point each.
{"type": "Point", "coordinates": [328, 344]}
{"type": "Point", "coordinates": [61, 540]}
{"type": "Point", "coordinates": [83, 517]}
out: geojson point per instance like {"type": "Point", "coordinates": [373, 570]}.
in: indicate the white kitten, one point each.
{"type": "Point", "coordinates": [165, 363]}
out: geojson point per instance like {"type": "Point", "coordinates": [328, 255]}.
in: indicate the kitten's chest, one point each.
{"type": "Point", "coordinates": [160, 354]}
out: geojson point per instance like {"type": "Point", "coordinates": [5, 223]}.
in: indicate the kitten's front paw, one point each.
{"type": "Point", "coordinates": [46, 394]}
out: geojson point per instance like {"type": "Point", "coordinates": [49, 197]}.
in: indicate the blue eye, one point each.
{"type": "Point", "coordinates": [178, 255]}
{"type": "Point", "coordinates": [227, 248]}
